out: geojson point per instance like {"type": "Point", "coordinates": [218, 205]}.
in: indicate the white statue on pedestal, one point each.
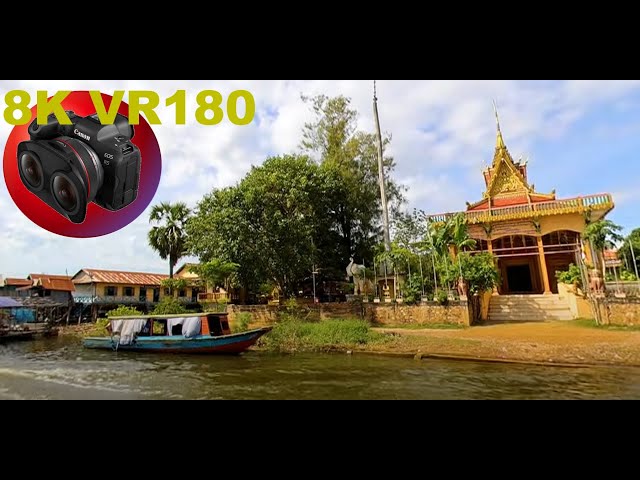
{"type": "Point", "coordinates": [358, 273]}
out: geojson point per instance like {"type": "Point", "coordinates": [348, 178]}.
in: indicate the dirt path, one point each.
{"type": "Point", "coordinates": [552, 342]}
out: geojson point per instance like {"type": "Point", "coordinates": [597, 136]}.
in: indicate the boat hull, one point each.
{"type": "Point", "coordinates": [202, 344]}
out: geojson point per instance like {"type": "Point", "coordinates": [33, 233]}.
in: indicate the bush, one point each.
{"type": "Point", "coordinates": [412, 290]}
{"type": "Point", "coordinates": [169, 306]}
{"type": "Point", "coordinates": [293, 335]}
{"type": "Point", "coordinates": [244, 319]}
{"type": "Point", "coordinates": [572, 276]}
{"type": "Point", "coordinates": [99, 329]}
{"type": "Point", "coordinates": [123, 311]}
{"type": "Point", "coordinates": [442, 298]}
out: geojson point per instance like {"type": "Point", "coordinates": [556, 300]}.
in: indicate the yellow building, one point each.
{"type": "Point", "coordinates": [532, 234]}
{"type": "Point", "coordinates": [203, 293]}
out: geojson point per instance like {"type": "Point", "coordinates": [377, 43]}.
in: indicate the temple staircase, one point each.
{"type": "Point", "coordinates": [528, 308]}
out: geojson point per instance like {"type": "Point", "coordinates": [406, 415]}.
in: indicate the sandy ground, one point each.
{"type": "Point", "coordinates": [552, 342]}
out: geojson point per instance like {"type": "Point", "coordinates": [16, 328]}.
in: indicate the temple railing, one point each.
{"type": "Point", "coordinates": [602, 201]}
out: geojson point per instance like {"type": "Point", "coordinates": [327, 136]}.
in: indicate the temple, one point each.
{"type": "Point", "coordinates": [532, 234]}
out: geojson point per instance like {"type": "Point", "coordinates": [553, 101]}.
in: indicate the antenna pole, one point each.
{"type": "Point", "coordinates": [383, 194]}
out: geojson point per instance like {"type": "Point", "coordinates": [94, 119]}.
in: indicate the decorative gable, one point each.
{"type": "Point", "coordinates": [507, 180]}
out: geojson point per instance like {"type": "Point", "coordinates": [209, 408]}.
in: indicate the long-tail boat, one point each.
{"type": "Point", "coordinates": [204, 333]}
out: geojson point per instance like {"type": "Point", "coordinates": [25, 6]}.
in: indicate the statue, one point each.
{"type": "Point", "coordinates": [596, 282]}
{"type": "Point", "coordinates": [358, 273]}
{"type": "Point", "coordinates": [463, 288]}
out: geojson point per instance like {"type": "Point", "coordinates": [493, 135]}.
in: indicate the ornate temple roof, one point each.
{"type": "Point", "coordinates": [509, 196]}
{"type": "Point", "coordinates": [506, 180]}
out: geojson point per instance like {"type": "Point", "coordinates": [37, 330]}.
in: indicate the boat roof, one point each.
{"type": "Point", "coordinates": [162, 317]}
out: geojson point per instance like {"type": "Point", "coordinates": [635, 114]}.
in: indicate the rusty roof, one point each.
{"type": "Point", "coordinates": [120, 277]}
{"type": "Point", "coordinates": [610, 254]}
{"type": "Point", "coordinates": [61, 283]}
{"type": "Point", "coordinates": [17, 282]}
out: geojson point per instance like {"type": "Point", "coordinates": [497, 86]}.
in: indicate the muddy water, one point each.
{"type": "Point", "coordinates": [62, 369]}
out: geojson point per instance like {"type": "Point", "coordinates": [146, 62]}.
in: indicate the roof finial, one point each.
{"type": "Point", "coordinates": [499, 139]}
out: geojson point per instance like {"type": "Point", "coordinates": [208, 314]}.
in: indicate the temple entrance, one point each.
{"type": "Point", "coordinates": [519, 279]}
{"type": "Point", "coordinates": [520, 275]}
{"type": "Point", "coordinates": [519, 265]}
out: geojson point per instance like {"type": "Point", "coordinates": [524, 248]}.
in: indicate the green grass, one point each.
{"type": "Point", "coordinates": [591, 323]}
{"type": "Point", "coordinates": [293, 335]}
{"type": "Point", "coordinates": [429, 326]}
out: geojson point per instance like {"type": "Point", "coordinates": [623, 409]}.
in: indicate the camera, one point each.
{"type": "Point", "coordinates": [70, 166]}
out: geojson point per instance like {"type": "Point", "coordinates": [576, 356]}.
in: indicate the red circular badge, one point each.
{"type": "Point", "coordinates": [54, 173]}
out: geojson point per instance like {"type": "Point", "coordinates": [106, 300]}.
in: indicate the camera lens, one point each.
{"type": "Point", "coordinates": [89, 166]}
{"type": "Point", "coordinates": [65, 192]}
{"type": "Point", "coordinates": [31, 169]}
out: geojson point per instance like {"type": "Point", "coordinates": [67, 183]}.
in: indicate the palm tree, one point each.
{"type": "Point", "coordinates": [602, 234]}
{"type": "Point", "coordinates": [459, 236]}
{"type": "Point", "coordinates": [168, 236]}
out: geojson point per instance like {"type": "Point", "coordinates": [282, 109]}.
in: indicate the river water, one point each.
{"type": "Point", "coordinates": [61, 369]}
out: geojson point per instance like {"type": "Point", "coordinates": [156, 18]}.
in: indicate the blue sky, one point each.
{"type": "Point", "coordinates": [581, 137]}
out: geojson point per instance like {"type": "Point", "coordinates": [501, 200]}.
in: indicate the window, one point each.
{"type": "Point", "coordinates": [166, 292]}
{"type": "Point", "coordinates": [111, 291]}
{"type": "Point", "coordinates": [129, 291]}
{"type": "Point", "coordinates": [182, 293]}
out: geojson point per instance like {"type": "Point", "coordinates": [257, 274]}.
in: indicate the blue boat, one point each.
{"type": "Point", "coordinates": [204, 333]}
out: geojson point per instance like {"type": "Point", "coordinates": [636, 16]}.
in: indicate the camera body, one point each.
{"type": "Point", "coordinates": [69, 166]}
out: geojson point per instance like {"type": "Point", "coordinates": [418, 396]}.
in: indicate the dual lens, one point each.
{"type": "Point", "coordinates": [63, 189]}
{"type": "Point", "coordinates": [65, 192]}
{"type": "Point", "coordinates": [31, 169]}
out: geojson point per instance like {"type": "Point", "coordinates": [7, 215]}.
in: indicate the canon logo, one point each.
{"type": "Point", "coordinates": [82, 135]}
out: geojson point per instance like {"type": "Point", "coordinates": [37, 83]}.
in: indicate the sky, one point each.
{"type": "Point", "coordinates": [580, 137]}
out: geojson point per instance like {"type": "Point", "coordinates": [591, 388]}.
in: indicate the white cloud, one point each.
{"type": "Point", "coordinates": [442, 132]}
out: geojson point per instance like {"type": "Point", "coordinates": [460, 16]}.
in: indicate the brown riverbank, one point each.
{"type": "Point", "coordinates": [553, 343]}
{"type": "Point", "coordinates": [545, 343]}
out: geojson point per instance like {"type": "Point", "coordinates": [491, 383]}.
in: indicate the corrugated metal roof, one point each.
{"type": "Point", "coordinates": [60, 283]}
{"type": "Point", "coordinates": [120, 277]}
{"type": "Point", "coordinates": [17, 282]}
{"type": "Point", "coordinates": [8, 302]}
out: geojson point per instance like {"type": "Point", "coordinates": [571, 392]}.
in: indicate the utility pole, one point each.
{"type": "Point", "coordinates": [633, 257]}
{"type": "Point", "coordinates": [383, 194]}
{"type": "Point", "coordinates": [313, 274]}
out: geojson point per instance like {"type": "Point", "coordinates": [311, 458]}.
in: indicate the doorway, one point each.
{"type": "Point", "coordinates": [519, 279]}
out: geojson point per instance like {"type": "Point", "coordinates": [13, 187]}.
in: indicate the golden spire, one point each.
{"type": "Point", "coordinates": [499, 140]}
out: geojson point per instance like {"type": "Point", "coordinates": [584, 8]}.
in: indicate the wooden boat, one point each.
{"type": "Point", "coordinates": [214, 336]}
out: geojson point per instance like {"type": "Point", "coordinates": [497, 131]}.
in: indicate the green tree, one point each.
{"type": "Point", "coordinates": [167, 236]}
{"type": "Point", "coordinates": [602, 234]}
{"type": "Point", "coordinates": [275, 224]}
{"type": "Point", "coordinates": [459, 236]}
{"type": "Point", "coordinates": [479, 271]}
{"type": "Point", "coordinates": [630, 250]}
{"type": "Point", "coordinates": [216, 272]}
{"type": "Point", "coordinates": [169, 306]}
{"type": "Point", "coordinates": [333, 139]}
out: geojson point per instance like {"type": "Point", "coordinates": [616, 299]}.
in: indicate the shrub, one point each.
{"type": "Point", "coordinates": [294, 335]}
{"type": "Point", "coordinates": [244, 319]}
{"type": "Point", "coordinates": [169, 306]}
{"type": "Point", "coordinates": [442, 298]}
{"type": "Point", "coordinates": [123, 311]}
{"type": "Point", "coordinates": [572, 276]}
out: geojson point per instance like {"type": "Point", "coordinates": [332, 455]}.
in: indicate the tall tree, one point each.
{"type": "Point", "coordinates": [333, 139]}
{"type": "Point", "coordinates": [275, 224]}
{"type": "Point", "coordinates": [460, 238]}
{"type": "Point", "coordinates": [630, 250]}
{"type": "Point", "coordinates": [603, 234]}
{"type": "Point", "coordinates": [167, 236]}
